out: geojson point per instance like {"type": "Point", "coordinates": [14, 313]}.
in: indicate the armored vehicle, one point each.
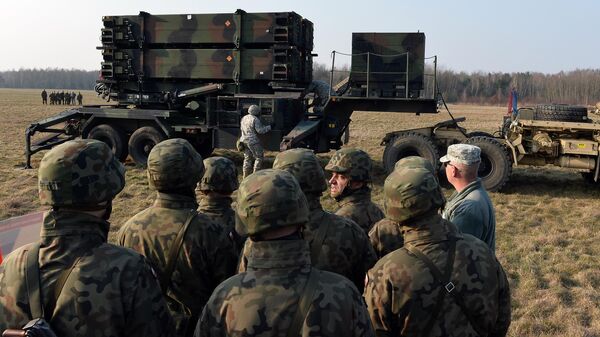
{"type": "Point", "coordinates": [195, 75]}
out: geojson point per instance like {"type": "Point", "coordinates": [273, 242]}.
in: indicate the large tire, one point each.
{"type": "Point", "coordinates": [142, 141]}
{"type": "Point", "coordinates": [560, 112]}
{"type": "Point", "coordinates": [113, 137]}
{"type": "Point", "coordinates": [479, 134]}
{"type": "Point", "coordinates": [407, 144]}
{"type": "Point", "coordinates": [496, 166]}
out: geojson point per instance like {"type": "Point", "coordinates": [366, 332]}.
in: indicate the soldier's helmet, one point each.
{"type": "Point", "coordinates": [415, 161]}
{"type": "Point", "coordinates": [254, 110]}
{"type": "Point", "coordinates": [411, 191]}
{"type": "Point", "coordinates": [354, 163]}
{"type": "Point", "coordinates": [269, 199]}
{"type": "Point", "coordinates": [220, 175]}
{"type": "Point", "coordinates": [305, 166]}
{"type": "Point", "coordinates": [174, 165]}
{"type": "Point", "coordinates": [80, 173]}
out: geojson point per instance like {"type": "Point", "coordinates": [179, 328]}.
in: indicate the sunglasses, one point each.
{"type": "Point", "coordinates": [449, 164]}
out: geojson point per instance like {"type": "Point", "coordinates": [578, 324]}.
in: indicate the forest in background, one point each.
{"type": "Point", "coordinates": [572, 87]}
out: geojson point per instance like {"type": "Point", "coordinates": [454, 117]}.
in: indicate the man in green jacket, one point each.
{"type": "Point", "coordinates": [470, 207]}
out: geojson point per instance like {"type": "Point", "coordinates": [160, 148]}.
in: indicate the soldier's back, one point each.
{"type": "Point", "coordinates": [364, 212]}
{"type": "Point", "coordinates": [386, 236]}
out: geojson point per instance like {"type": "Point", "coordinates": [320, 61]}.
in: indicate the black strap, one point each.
{"type": "Point", "coordinates": [165, 278]}
{"type": "Point", "coordinates": [445, 282]}
{"type": "Point", "coordinates": [304, 303]}
{"type": "Point", "coordinates": [317, 242]}
{"type": "Point", "coordinates": [32, 277]}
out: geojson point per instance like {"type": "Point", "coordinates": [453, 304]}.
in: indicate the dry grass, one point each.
{"type": "Point", "coordinates": [548, 219]}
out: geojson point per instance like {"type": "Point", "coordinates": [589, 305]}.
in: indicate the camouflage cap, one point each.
{"type": "Point", "coordinates": [254, 110]}
{"type": "Point", "coordinates": [354, 163]}
{"type": "Point", "coordinates": [82, 172]}
{"type": "Point", "coordinates": [220, 175]}
{"type": "Point", "coordinates": [305, 167]}
{"type": "Point", "coordinates": [174, 164]}
{"type": "Point", "coordinates": [269, 199]}
{"type": "Point", "coordinates": [410, 192]}
{"type": "Point", "coordinates": [415, 161]}
{"type": "Point", "coordinates": [465, 154]}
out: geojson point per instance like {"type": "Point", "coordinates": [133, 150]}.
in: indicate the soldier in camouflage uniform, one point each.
{"type": "Point", "coordinates": [266, 299]}
{"type": "Point", "coordinates": [217, 184]}
{"type": "Point", "coordinates": [107, 290]}
{"type": "Point", "coordinates": [351, 174]}
{"type": "Point", "coordinates": [321, 91]}
{"type": "Point", "coordinates": [439, 283]}
{"type": "Point", "coordinates": [203, 257]}
{"type": "Point", "coordinates": [386, 235]}
{"type": "Point", "coordinates": [337, 244]}
{"type": "Point", "coordinates": [250, 128]}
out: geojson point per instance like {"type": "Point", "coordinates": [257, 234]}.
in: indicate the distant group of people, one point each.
{"type": "Point", "coordinates": [274, 263]}
{"type": "Point", "coordinates": [62, 98]}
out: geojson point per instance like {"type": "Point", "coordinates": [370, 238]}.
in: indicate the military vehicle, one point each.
{"type": "Point", "coordinates": [195, 75]}
{"type": "Point", "coordinates": [548, 134]}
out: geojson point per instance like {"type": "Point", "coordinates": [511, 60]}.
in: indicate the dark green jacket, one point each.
{"type": "Point", "coordinates": [359, 208]}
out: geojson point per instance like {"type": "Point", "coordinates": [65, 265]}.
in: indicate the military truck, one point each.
{"type": "Point", "coordinates": [195, 75]}
{"type": "Point", "coordinates": [547, 134]}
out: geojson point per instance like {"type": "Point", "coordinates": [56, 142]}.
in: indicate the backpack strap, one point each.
{"type": "Point", "coordinates": [32, 277]}
{"type": "Point", "coordinates": [317, 242]}
{"type": "Point", "coordinates": [165, 278]}
{"type": "Point", "coordinates": [304, 303]}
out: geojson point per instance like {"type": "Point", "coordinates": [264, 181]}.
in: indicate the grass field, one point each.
{"type": "Point", "coordinates": [548, 219]}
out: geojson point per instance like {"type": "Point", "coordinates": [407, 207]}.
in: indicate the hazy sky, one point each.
{"type": "Point", "coordinates": [507, 35]}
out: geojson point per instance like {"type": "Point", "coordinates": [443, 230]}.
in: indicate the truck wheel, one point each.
{"type": "Point", "coordinates": [496, 166]}
{"type": "Point", "coordinates": [346, 136]}
{"type": "Point", "coordinates": [113, 137]}
{"type": "Point", "coordinates": [560, 112]}
{"type": "Point", "coordinates": [142, 141]}
{"type": "Point", "coordinates": [479, 134]}
{"type": "Point", "coordinates": [407, 144]}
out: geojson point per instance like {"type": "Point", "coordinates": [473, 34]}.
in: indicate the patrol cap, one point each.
{"type": "Point", "coordinates": [80, 173]}
{"type": "Point", "coordinates": [269, 199]}
{"type": "Point", "coordinates": [465, 154]}
{"type": "Point", "coordinates": [254, 110]}
{"type": "Point", "coordinates": [174, 164]}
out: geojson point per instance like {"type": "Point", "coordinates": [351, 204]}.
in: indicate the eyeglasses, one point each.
{"type": "Point", "coordinates": [449, 164]}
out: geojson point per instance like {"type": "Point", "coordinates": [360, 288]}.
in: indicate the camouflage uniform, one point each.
{"type": "Point", "coordinates": [206, 257]}
{"type": "Point", "coordinates": [263, 300]}
{"type": "Point", "coordinates": [322, 90]}
{"type": "Point", "coordinates": [217, 184]}
{"type": "Point", "coordinates": [355, 205]}
{"type": "Point", "coordinates": [406, 296]}
{"type": "Point", "coordinates": [110, 291]}
{"type": "Point", "coordinates": [345, 248]}
{"type": "Point", "coordinates": [250, 127]}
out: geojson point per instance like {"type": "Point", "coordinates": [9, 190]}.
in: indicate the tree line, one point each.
{"type": "Point", "coordinates": [572, 87]}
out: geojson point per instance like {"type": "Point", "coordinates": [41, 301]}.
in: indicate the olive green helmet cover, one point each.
{"type": "Point", "coordinates": [354, 163]}
{"type": "Point", "coordinates": [220, 175]}
{"type": "Point", "coordinates": [173, 165]}
{"type": "Point", "coordinates": [306, 168]}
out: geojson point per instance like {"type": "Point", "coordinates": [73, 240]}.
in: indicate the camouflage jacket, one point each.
{"type": "Point", "coordinates": [205, 260]}
{"type": "Point", "coordinates": [219, 210]}
{"type": "Point", "coordinates": [263, 300]}
{"type": "Point", "coordinates": [386, 235]}
{"type": "Point", "coordinates": [111, 291]}
{"type": "Point", "coordinates": [250, 127]}
{"type": "Point", "coordinates": [471, 210]}
{"type": "Point", "coordinates": [359, 208]}
{"type": "Point", "coordinates": [401, 291]}
{"type": "Point", "coordinates": [345, 250]}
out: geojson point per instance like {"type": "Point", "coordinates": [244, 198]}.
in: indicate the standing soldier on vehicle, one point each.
{"type": "Point", "coordinates": [80, 284]}
{"type": "Point", "coordinates": [470, 207]}
{"type": "Point", "coordinates": [351, 175]}
{"type": "Point", "coordinates": [216, 186]}
{"type": "Point", "coordinates": [440, 283]}
{"type": "Point", "coordinates": [321, 91]}
{"type": "Point", "coordinates": [250, 128]}
{"type": "Point", "coordinates": [337, 244]}
{"type": "Point", "coordinates": [281, 293]}
{"type": "Point", "coordinates": [44, 97]}
{"type": "Point", "coordinates": [191, 254]}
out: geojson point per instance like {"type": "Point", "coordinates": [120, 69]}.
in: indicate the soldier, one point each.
{"type": "Point", "coordinates": [79, 98]}
{"type": "Point", "coordinates": [337, 244]}
{"type": "Point", "coordinates": [281, 293]}
{"type": "Point", "coordinates": [250, 127]}
{"type": "Point", "coordinates": [351, 174]}
{"type": "Point", "coordinates": [470, 207]}
{"type": "Point", "coordinates": [87, 287]}
{"type": "Point", "coordinates": [216, 186]}
{"type": "Point", "coordinates": [191, 254]}
{"type": "Point", "coordinates": [44, 97]}
{"type": "Point", "coordinates": [321, 91]}
{"type": "Point", "coordinates": [439, 283]}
